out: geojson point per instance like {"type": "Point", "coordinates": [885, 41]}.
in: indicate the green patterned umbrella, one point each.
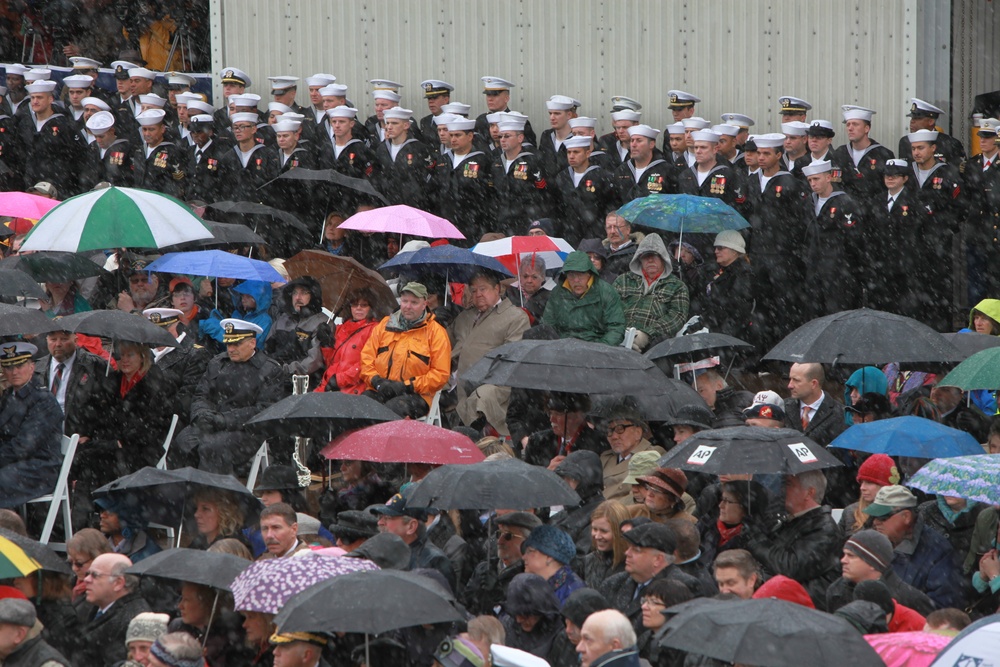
{"type": "Point", "coordinates": [684, 214]}
{"type": "Point", "coordinates": [980, 371]}
{"type": "Point", "coordinates": [972, 477]}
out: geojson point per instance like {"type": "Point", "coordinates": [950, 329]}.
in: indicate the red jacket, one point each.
{"type": "Point", "coordinates": [344, 358]}
{"type": "Point", "coordinates": [905, 619]}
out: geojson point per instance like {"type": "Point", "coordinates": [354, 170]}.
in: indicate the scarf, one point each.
{"type": "Point", "coordinates": [128, 384]}
{"type": "Point", "coordinates": [726, 532]}
{"type": "Point", "coordinates": [650, 279]}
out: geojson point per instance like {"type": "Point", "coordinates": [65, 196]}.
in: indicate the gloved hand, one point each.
{"type": "Point", "coordinates": [210, 422]}
{"type": "Point", "coordinates": [331, 384]}
{"type": "Point", "coordinates": [967, 421]}
{"type": "Point", "coordinates": [390, 389]}
{"type": "Point", "coordinates": [640, 341]}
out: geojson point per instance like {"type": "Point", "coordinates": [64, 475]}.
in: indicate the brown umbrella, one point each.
{"type": "Point", "coordinates": [339, 276]}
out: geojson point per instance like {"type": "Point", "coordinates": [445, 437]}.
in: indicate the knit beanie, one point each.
{"type": "Point", "coordinates": [872, 547]}
{"type": "Point", "coordinates": [879, 469]}
{"type": "Point", "coordinates": [552, 542]}
{"type": "Point", "coordinates": [146, 627]}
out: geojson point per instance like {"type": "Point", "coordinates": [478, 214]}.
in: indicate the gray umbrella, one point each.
{"type": "Point", "coordinates": [117, 325]}
{"type": "Point", "coordinates": [15, 283]}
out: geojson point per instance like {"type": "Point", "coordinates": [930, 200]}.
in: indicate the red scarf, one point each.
{"type": "Point", "coordinates": [128, 384]}
{"type": "Point", "coordinates": [651, 279]}
{"type": "Point", "coordinates": [727, 533]}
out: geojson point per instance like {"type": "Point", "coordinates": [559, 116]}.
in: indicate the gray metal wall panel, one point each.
{"type": "Point", "coordinates": [976, 45]}
{"type": "Point", "coordinates": [736, 55]}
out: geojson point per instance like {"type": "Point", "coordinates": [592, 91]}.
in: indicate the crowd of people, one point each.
{"type": "Point", "coordinates": [592, 584]}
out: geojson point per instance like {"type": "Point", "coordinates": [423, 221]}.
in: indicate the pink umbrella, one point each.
{"type": "Point", "coordinates": [23, 205]}
{"type": "Point", "coordinates": [908, 649]}
{"type": "Point", "coordinates": [404, 441]}
{"type": "Point", "coordinates": [402, 219]}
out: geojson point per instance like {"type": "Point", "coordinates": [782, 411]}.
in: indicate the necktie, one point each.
{"type": "Point", "coordinates": [197, 157]}
{"type": "Point", "coordinates": [805, 417]}
{"type": "Point", "coordinates": [892, 200]}
{"type": "Point", "coordinates": [57, 378]}
{"type": "Point", "coordinates": [638, 591]}
{"type": "Point", "coordinates": [986, 164]}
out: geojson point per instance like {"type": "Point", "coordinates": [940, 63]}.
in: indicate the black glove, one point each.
{"type": "Point", "coordinates": [968, 421]}
{"type": "Point", "coordinates": [332, 385]}
{"type": "Point", "coordinates": [390, 389]}
{"type": "Point", "coordinates": [204, 422]}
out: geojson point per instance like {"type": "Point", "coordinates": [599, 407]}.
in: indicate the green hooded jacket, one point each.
{"type": "Point", "coordinates": [597, 316]}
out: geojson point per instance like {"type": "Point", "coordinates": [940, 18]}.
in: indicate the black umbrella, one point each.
{"type": "Point", "coordinates": [656, 405]}
{"type": "Point", "coordinates": [333, 177]}
{"type": "Point", "coordinates": [223, 234]}
{"type": "Point", "coordinates": [969, 343]}
{"type": "Point", "coordinates": [216, 570]}
{"type": "Point", "coordinates": [749, 449]}
{"type": "Point", "coordinates": [767, 632]}
{"type": "Point", "coordinates": [508, 484]}
{"type": "Point", "coordinates": [117, 325]}
{"type": "Point", "coordinates": [265, 216]}
{"type": "Point", "coordinates": [865, 338]}
{"type": "Point", "coordinates": [320, 414]}
{"type": "Point", "coordinates": [370, 602]}
{"type": "Point", "coordinates": [704, 343]}
{"type": "Point", "coordinates": [50, 266]}
{"type": "Point", "coordinates": [15, 283]}
{"type": "Point", "coordinates": [568, 365]}
{"type": "Point", "coordinates": [42, 553]}
{"type": "Point", "coordinates": [161, 496]}
{"type": "Point", "coordinates": [16, 320]}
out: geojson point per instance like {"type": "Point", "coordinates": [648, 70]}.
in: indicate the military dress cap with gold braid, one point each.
{"type": "Point", "coordinates": [289, 637]}
{"type": "Point", "coordinates": [234, 330]}
{"type": "Point", "coordinates": [436, 87]}
{"type": "Point", "coordinates": [15, 354]}
{"type": "Point", "coordinates": [163, 317]}
{"type": "Point", "coordinates": [681, 100]}
{"type": "Point", "coordinates": [793, 105]}
{"type": "Point", "coordinates": [235, 75]}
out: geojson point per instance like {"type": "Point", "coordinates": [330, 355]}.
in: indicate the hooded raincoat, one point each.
{"type": "Point", "coordinates": [655, 305]}
{"type": "Point", "coordinates": [595, 316]}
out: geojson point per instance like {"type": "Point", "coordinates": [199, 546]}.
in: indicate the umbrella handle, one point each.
{"type": "Point", "coordinates": [211, 617]}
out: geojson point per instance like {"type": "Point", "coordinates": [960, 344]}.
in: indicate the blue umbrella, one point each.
{"type": "Point", "coordinates": [458, 264]}
{"type": "Point", "coordinates": [908, 436]}
{"type": "Point", "coordinates": [216, 264]}
{"type": "Point", "coordinates": [684, 214]}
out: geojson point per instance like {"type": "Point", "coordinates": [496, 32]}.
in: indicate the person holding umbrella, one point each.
{"type": "Point", "coordinates": [740, 504]}
{"type": "Point", "coordinates": [343, 360]}
{"type": "Point", "coordinates": [569, 432]}
{"type": "Point", "coordinates": [295, 339]}
{"type": "Point", "coordinates": [727, 306]}
{"type": "Point", "coordinates": [206, 615]}
{"type": "Point", "coordinates": [487, 587]}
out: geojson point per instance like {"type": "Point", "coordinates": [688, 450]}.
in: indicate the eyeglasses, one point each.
{"type": "Point", "coordinates": [618, 430]}
{"type": "Point", "coordinates": [651, 602]}
{"type": "Point", "coordinates": [727, 501]}
{"type": "Point", "coordinates": [507, 536]}
{"type": "Point", "coordinates": [98, 575]}
{"type": "Point", "coordinates": [77, 564]}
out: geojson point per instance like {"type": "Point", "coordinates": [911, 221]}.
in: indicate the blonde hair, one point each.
{"type": "Point", "coordinates": [491, 445]}
{"type": "Point", "coordinates": [231, 517]}
{"type": "Point", "coordinates": [231, 546]}
{"type": "Point", "coordinates": [143, 351]}
{"type": "Point", "coordinates": [615, 512]}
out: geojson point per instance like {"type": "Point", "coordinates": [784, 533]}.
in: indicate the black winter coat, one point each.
{"type": "Point", "coordinates": [728, 303]}
{"type": "Point", "coordinates": [103, 637]}
{"type": "Point", "coordinates": [30, 443]}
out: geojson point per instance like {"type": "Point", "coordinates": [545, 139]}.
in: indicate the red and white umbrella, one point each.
{"type": "Point", "coordinates": [511, 251]}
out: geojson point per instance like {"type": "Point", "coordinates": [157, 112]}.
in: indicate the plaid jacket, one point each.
{"type": "Point", "coordinates": [658, 311]}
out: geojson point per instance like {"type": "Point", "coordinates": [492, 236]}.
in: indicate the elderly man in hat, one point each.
{"type": "Point", "coordinates": [400, 518]}
{"type": "Point", "coordinates": [583, 306]}
{"type": "Point", "coordinates": [407, 358]}
{"type": "Point", "coordinates": [627, 434]}
{"type": "Point", "coordinates": [487, 587]}
{"type": "Point", "coordinates": [569, 431]}
{"type": "Point", "coordinates": [30, 429]}
{"type": "Point", "coordinates": [236, 386]}
{"type": "Point", "coordinates": [654, 300]}
{"type": "Point", "coordinates": [21, 642]}
{"type": "Point", "coordinates": [353, 528]}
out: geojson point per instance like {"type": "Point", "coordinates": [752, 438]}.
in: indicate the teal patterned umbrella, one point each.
{"type": "Point", "coordinates": [684, 214]}
{"type": "Point", "coordinates": [975, 477]}
{"type": "Point", "coordinates": [980, 371]}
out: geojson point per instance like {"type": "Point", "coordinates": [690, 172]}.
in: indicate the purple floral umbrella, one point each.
{"type": "Point", "coordinates": [267, 585]}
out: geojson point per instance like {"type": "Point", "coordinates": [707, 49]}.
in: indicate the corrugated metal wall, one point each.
{"type": "Point", "coordinates": [736, 55]}
{"type": "Point", "coordinates": [976, 38]}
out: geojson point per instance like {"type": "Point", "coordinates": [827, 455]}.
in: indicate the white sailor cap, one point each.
{"type": "Point", "coordinates": [320, 79]}
{"type": "Point", "coordinates": [561, 103]}
{"type": "Point", "coordinates": [245, 117]}
{"type": "Point", "coordinates": [334, 90]}
{"type": "Point", "coordinates": [582, 121]}
{"type": "Point", "coordinates": [101, 122]}
{"type": "Point", "coordinates": [445, 118]}
{"type": "Point", "coordinates": [121, 68]}
{"type": "Point", "coordinates": [183, 98]}
{"type": "Point", "coordinates": [681, 100]}
{"type": "Point", "coordinates": [163, 317]}
{"type": "Point", "coordinates": [820, 128]}
{"type": "Point", "coordinates": [922, 135]}
{"type": "Point", "coordinates": [399, 113]}
{"type": "Point", "coordinates": [627, 114]}
{"type": "Point", "coordinates": [794, 129]}
{"type": "Point", "coordinates": [385, 84]}
{"type": "Point", "coordinates": [291, 115]}
{"type": "Point", "coordinates": [202, 119]}
{"type": "Point", "coordinates": [510, 126]}
{"type": "Point", "coordinates": [987, 128]}
{"type": "Point", "coordinates": [287, 125]}
{"type": "Point", "coordinates": [505, 656]}
{"type": "Point", "coordinates": [278, 106]}
{"type": "Point", "coordinates": [435, 87]}
{"type": "Point", "coordinates": [385, 94]}
{"type": "Point", "coordinates": [15, 69]}
{"type": "Point", "coordinates": [739, 120]}
{"type": "Point", "coordinates": [78, 81]}
{"type": "Point", "coordinates": [456, 108]}
{"type": "Point", "coordinates": [920, 108]}
{"type": "Point", "coordinates": [141, 73]}
{"type": "Point", "coordinates": [770, 140]}
{"type": "Point", "coordinates": [151, 117]}
{"type": "Point", "coordinates": [283, 82]}
{"type": "Point", "coordinates": [234, 330]}
{"type": "Point", "coordinates": [153, 99]}
{"type": "Point", "coordinates": [675, 128]}
{"type": "Point", "coordinates": [897, 167]}
{"type": "Point", "coordinates": [491, 83]}
{"type": "Point", "coordinates": [200, 105]}
{"type": "Point", "coordinates": [79, 62]}
{"type": "Point", "coordinates": [41, 87]}
{"type": "Point", "coordinates": [705, 135]}
{"type": "Point", "coordinates": [695, 123]}
{"type": "Point", "coordinates": [793, 105]}
{"type": "Point", "coordinates": [342, 112]}
{"type": "Point", "coordinates": [38, 74]}
{"type": "Point", "coordinates": [643, 131]}
{"type": "Point", "coordinates": [462, 125]}
{"type": "Point", "coordinates": [95, 102]}
{"type": "Point", "coordinates": [515, 116]}
{"type": "Point", "coordinates": [579, 142]}
{"type": "Point", "coordinates": [235, 75]}
{"type": "Point", "coordinates": [725, 129]}
{"type": "Point", "coordinates": [178, 80]}
{"type": "Point", "coordinates": [817, 167]}
{"type": "Point", "coordinates": [245, 100]}
{"type": "Point", "coordinates": [854, 112]}
{"type": "Point", "coordinates": [620, 103]}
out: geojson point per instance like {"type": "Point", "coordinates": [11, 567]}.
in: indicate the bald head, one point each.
{"type": "Point", "coordinates": [106, 580]}
{"type": "Point", "coordinates": [805, 382]}
{"type": "Point", "coordinates": [604, 631]}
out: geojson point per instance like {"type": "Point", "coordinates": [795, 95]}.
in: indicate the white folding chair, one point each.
{"type": "Point", "coordinates": [162, 463]}
{"type": "Point", "coordinates": [59, 498]}
{"type": "Point", "coordinates": [629, 338]}
{"type": "Point", "coordinates": [434, 413]}
{"type": "Point", "coordinates": [260, 462]}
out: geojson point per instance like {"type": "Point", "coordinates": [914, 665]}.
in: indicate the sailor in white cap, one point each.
{"type": "Point", "coordinates": [405, 164]}
{"type": "Point", "coordinates": [342, 150]}
{"type": "Point", "coordinates": [615, 144]}
{"type": "Point", "coordinates": [444, 139]}
{"type": "Point", "coordinates": [819, 137]}
{"type": "Point", "coordinates": [584, 126]}
{"type": "Point", "coordinates": [923, 116]}
{"type": "Point", "coordinates": [681, 104]}
{"type": "Point", "coordinates": [862, 159]}
{"type": "Point", "coordinates": [621, 102]}
{"type": "Point", "coordinates": [333, 95]}
{"type": "Point", "coordinates": [741, 121]}
{"type": "Point", "coordinates": [122, 83]}
{"type": "Point", "coordinates": [204, 159]}
{"type": "Point", "coordinates": [675, 144]}
{"type": "Point", "coordinates": [234, 82]}
{"type": "Point", "coordinates": [385, 98]}
{"type": "Point", "coordinates": [140, 81]}
{"type": "Point", "coordinates": [184, 114]}
{"type": "Point", "coordinates": [561, 109]}
{"type": "Point", "coordinates": [53, 145]}
{"type": "Point", "coordinates": [792, 108]}
{"type": "Point", "coordinates": [709, 178]}
{"type": "Point", "coordinates": [91, 105]}
{"type": "Point", "coordinates": [437, 93]}
{"type": "Point", "coordinates": [249, 164]}
{"type": "Point", "coordinates": [77, 87]}
{"type": "Point", "coordinates": [692, 124]}
{"type": "Point", "coordinates": [16, 94]}
{"type": "Point", "coordinates": [291, 153]}
{"type": "Point", "coordinates": [283, 90]}
{"type": "Point", "coordinates": [587, 190]}
{"type": "Point", "coordinates": [497, 92]}
{"type": "Point", "coordinates": [317, 82]}
{"type": "Point", "coordinates": [159, 164]}
{"type": "Point", "coordinates": [467, 193]}
{"type": "Point", "coordinates": [520, 180]}
{"type": "Point", "coordinates": [796, 146]}
{"type": "Point", "coordinates": [110, 153]}
{"type": "Point", "coordinates": [729, 149]}
{"type": "Point", "coordinates": [644, 173]}
{"type": "Point", "coordinates": [177, 83]}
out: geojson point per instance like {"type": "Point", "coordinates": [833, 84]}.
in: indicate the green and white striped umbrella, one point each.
{"type": "Point", "coordinates": [116, 218]}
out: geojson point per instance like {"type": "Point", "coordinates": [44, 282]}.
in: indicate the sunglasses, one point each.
{"type": "Point", "coordinates": [507, 536]}
{"type": "Point", "coordinates": [618, 430]}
